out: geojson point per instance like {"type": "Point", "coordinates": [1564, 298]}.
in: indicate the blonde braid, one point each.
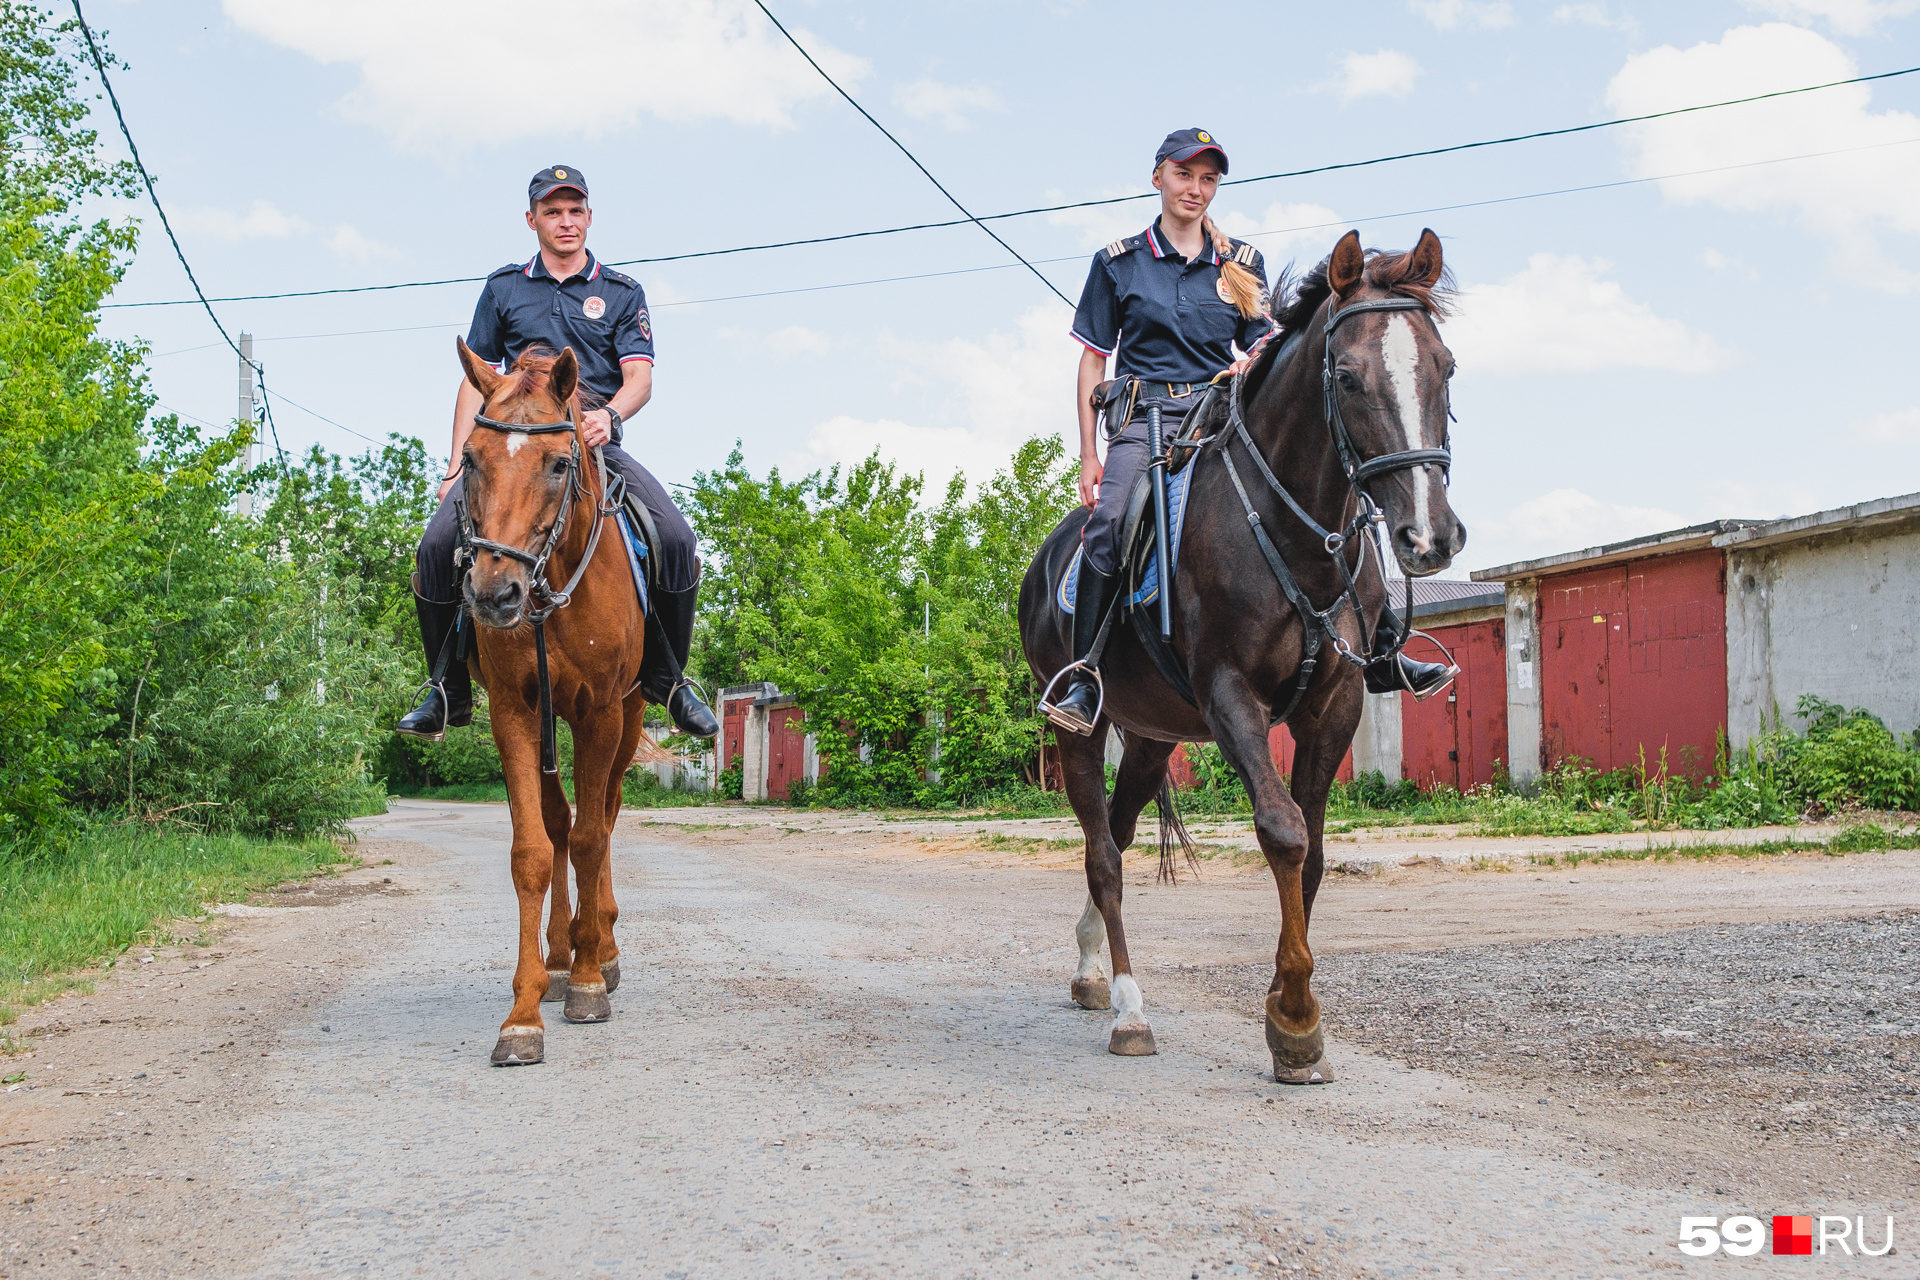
{"type": "Point", "coordinates": [1249, 298]}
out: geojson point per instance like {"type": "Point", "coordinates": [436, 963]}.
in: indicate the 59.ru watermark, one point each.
{"type": "Point", "coordinates": [1743, 1236]}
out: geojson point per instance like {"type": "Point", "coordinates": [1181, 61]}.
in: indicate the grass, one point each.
{"type": "Point", "coordinates": [1863, 837]}
{"type": "Point", "coordinates": [65, 911]}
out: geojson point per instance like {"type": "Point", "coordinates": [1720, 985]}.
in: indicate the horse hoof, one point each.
{"type": "Point", "coordinates": [1298, 1058]}
{"type": "Point", "coordinates": [556, 986]}
{"type": "Point", "coordinates": [588, 1003]}
{"type": "Point", "coordinates": [610, 973]}
{"type": "Point", "coordinates": [520, 1047]}
{"type": "Point", "coordinates": [1133, 1040]}
{"type": "Point", "coordinates": [1092, 993]}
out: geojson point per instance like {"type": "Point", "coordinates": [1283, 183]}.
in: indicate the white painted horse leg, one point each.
{"type": "Point", "coordinates": [1089, 988]}
{"type": "Point", "coordinates": [1132, 1037]}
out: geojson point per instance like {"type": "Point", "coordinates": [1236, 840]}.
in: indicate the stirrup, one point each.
{"type": "Point", "coordinates": [426, 686]}
{"type": "Point", "coordinates": [1072, 726]}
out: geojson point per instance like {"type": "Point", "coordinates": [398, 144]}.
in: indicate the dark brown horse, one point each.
{"type": "Point", "coordinates": [1237, 635]}
{"type": "Point", "coordinates": [528, 492]}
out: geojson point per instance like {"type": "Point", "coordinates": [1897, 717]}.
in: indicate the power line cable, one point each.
{"type": "Point", "coordinates": [951, 198]}
{"type": "Point", "coordinates": [971, 220]}
{"type": "Point", "coordinates": [100, 67]}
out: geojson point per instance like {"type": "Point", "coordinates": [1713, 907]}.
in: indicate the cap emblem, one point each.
{"type": "Point", "coordinates": [561, 173]}
{"type": "Point", "coordinates": [595, 307]}
{"type": "Point", "coordinates": [1201, 134]}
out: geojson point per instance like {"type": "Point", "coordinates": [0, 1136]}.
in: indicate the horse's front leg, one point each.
{"type": "Point", "coordinates": [517, 734]}
{"type": "Point", "coordinates": [1239, 720]}
{"type": "Point", "coordinates": [1320, 741]}
{"type": "Point", "coordinates": [634, 710]}
{"type": "Point", "coordinates": [558, 819]}
{"type": "Point", "coordinates": [596, 741]}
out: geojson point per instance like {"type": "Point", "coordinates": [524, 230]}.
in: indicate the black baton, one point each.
{"type": "Point", "coordinates": [1157, 469]}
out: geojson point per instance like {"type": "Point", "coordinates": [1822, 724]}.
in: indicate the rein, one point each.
{"type": "Point", "coordinates": [551, 600]}
{"type": "Point", "coordinates": [1319, 623]}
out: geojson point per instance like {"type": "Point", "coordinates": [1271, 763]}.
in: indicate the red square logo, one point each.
{"type": "Point", "coordinates": [1792, 1234]}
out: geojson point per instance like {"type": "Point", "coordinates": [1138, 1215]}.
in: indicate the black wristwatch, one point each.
{"type": "Point", "coordinates": [614, 420]}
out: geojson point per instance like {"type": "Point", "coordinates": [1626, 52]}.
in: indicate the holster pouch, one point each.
{"type": "Point", "coordinates": [1113, 402]}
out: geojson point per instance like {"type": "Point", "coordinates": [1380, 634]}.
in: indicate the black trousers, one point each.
{"type": "Point", "coordinates": [1126, 459]}
{"type": "Point", "coordinates": [679, 566]}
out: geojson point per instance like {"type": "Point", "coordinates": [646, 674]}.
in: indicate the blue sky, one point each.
{"type": "Point", "coordinates": [1735, 343]}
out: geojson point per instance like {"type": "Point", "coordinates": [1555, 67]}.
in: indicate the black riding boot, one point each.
{"type": "Point", "coordinates": [1422, 679]}
{"type": "Point", "coordinates": [662, 667]}
{"type": "Point", "coordinates": [449, 703]}
{"type": "Point", "coordinates": [1092, 598]}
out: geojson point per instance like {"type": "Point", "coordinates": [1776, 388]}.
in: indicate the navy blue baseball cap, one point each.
{"type": "Point", "coordinates": [558, 178]}
{"type": "Point", "coordinates": [1185, 144]}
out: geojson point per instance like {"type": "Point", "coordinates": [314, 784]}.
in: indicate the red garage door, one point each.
{"type": "Point", "coordinates": [1279, 741]}
{"type": "Point", "coordinates": [786, 749]}
{"type": "Point", "coordinates": [1634, 657]}
{"type": "Point", "coordinates": [1456, 739]}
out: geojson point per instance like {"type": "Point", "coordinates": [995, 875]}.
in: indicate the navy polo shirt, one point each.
{"type": "Point", "coordinates": [599, 312]}
{"type": "Point", "coordinates": [1164, 315]}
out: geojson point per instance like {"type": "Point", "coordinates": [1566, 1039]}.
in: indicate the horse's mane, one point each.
{"type": "Point", "coordinates": [1386, 269]}
{"type": "Point", "coordinates": [528, 378]}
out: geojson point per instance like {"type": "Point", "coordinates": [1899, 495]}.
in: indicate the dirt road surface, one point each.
{"type": "Point", "coordinates": [843, 1047]}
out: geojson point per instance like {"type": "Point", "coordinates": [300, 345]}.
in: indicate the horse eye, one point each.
{"type": "Point", "coordinates": [1451, 370]}
{"type": "Point", "coordinates": [1347, 381]}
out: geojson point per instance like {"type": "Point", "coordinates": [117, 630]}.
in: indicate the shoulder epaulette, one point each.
{"type": "Point", "coordinates": [511, 266]}
{"type": "Point", "coordinates": [1243, 253]}
{"type": "Point", "coordinates": [1124, 246]}
{"type": "Point", "coordinates": [619, 276]}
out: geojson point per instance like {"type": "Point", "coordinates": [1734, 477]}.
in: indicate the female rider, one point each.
{"type": "Point", "coordinates": [1171, 304]}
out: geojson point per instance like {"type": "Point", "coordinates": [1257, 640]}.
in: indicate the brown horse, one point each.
{"type": "Point", "coordinates": [1366, 426]}
{"type": "Point", "coordinates": [527, 490]}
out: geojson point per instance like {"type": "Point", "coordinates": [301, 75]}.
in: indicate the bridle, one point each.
{"type": "Point", "coordinates": [1319, 623]}
{"type": "Point", "coordinates": [550, 600]}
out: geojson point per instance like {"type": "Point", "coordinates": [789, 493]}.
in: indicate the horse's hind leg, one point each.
{"type": "Point", "coordinates": [558, 819]}
{"type": "Point", "coordinates": [1083, 766]}
{"type": "Point", "coordinates": [635, 709]}
{"type": "Point", "coordinates": [1143, 767]}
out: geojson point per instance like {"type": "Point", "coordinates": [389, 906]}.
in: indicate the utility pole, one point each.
{"type": "Point", "coordinates": [243, 502]}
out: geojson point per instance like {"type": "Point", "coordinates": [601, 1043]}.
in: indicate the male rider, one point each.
{"type": "Point", "coordinates": [563, 297]}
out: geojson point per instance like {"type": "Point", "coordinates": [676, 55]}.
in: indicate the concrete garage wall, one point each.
{"type": "Point", "coordinates": [1833, 614]}
{"type": "Point", "coordinates": [1376, 743]}
{"type": "Point", "coordinates": [1523, 680]}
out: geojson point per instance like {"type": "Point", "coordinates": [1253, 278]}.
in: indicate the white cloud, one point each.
{"type": "Point", "coordinates": [1448, 14]}
{"type": "Point", "coordinates": [1388, 73]}
{"type": "Point", "coordinates": [1843, 198]}
{"type": "Point", "coordinates": [1560, 316]}
{"type": "Point", "coordinates": [435, 73]}
{"type": "Point", "coordinates": [350, 243]}
{"type": "Point", "coordinates": [945, 104]}
{"type": "Point", "coordinates": [1104, 224]}
{"type": "Point", "coordinates": [1594, 15]}
{"type": "Point", "coordinates": [1902, 427]}
{"type": "Point", "coordinates": [1286, 231]}
{"type": "Point", "coordinates": [995, 393]}
{"type": "Point", "coordinates": [1564, 520]}
{"type": "Point", "coordinates": [1849, 17]}
{"type": "Point", "coordinates": [261, 221]}
{"type": "Point", "coordinates": [796, 340]}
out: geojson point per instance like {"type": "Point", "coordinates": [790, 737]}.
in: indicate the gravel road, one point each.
{"type": "Point", "coordinates": [844, 1048]}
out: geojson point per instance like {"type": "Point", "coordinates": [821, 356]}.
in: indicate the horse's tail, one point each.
{"type": "Point", "coordinates": [1172, 831]}
{"type": "Point", "coordinates": [651, 752]}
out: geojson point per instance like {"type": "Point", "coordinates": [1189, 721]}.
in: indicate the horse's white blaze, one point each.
{"type": "Point", "coordinates": [1091, 933]}
{"type": "Point", "coordinates": [516, 442]}
{"type": "Point", "coordinates": [1126, 1000]}
{"type": "Point", "coordinates": [1400, 353]}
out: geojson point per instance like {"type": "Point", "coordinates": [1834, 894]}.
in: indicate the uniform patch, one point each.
{"type": "Point", "coordinates": [646, 327]}
{"type": "Point", "coordinates": [1220, 287]}
{"type": "Point", "coordinates": [595, 307]}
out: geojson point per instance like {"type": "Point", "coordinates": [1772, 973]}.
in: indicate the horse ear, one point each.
{"type": "Point", "coordinates": [1427, 261]}
{"type": "Point", "coordinates": [479, 372]}
{"type": "Point", "coordinates": [564, 379]}
{"type": "Point", "coordinates": [1347, 264]}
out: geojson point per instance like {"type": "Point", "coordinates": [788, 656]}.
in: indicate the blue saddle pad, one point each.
{"type": "Point", "coordinates": [636, 552]}
{"type": "Point", "coordinates": [1150, 580]}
